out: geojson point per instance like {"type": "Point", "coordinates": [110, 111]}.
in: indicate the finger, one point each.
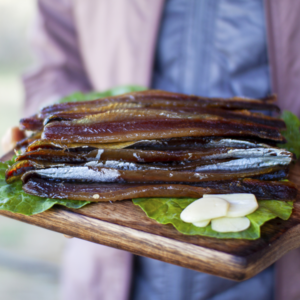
{"type": "Point", "coordinates": [11, 137]}
{"type": "Point", "coordinates": [68, 236]}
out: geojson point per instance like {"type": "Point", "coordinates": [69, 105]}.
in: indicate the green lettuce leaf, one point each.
{"type": "Point", "coordinates": [14, 199]}
{"type": "Point", "coordinates": [76, 97]}
{"type": "Point", "coordinates": [168, 210]}
{"type": "Point", "coordinates": [292, 133]}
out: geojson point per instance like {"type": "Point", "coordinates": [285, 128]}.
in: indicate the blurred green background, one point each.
{"type": "Point", "coordinates": [15, 57]}
{"type": "Point", "coordinates": [29, 256]}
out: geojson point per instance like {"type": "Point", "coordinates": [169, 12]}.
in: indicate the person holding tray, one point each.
{"type": "Point", "coordinates": [209, 48]}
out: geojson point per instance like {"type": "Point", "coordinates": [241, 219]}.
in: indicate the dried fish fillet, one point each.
{"type": "Point", "coordinates": [268, 190]}
{"type": "Point", "coordinates": [246, 163]}
{"type": "Point", "coordinates": [183, 143]}
{"type": "Point", "coordinates": [104, 192]}
{"type": "Point", "coordinates": [109, 192]}
{"type": "Point", "coordinates": [33, 123]}
{"type": "Point", "coordinates": [244, 115]}
{"type": "Point", "coordinates": [20, 167]}
{"type": "Point", "coordinates": [100, 174]}
{"type": "Point", "coordinates": [110, 132]}
{"type": "Point", "coordinates": [21, 145]}
{"type": "Point", "coordinates": [17, 170]}
{"type": "Point", "coordinates": [163, 98]}
{"type": "Point", "coordinates": [151, 156]}
{"type": "Point", "coordinates": [46, 144]}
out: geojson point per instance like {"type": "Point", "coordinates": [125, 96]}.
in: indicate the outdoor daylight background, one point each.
{"type": "Point", "coordinates": [29, 256]}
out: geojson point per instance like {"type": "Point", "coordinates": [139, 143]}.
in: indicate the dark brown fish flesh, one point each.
{"type": "Point", "coordinates": [104, 192]}
{"type": "Point", "coordinates": [93, 131]}
{"type": "Point", "coordinates": [163, 98]}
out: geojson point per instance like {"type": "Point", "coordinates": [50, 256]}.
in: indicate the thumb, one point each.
{"type": "Point", "coordinates": [11, 137]}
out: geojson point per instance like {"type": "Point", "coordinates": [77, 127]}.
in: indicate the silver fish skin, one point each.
{"type": "Point", "coordinates": [253, 152]}
{"type": "Point", "coordinates": [103, 174]}
{"type": "Point", "coordinates": [246, 163]}
{"type": "Point", "coordinates": [121, 165]}
{"type": "Point", "coordinates": [79, 173]}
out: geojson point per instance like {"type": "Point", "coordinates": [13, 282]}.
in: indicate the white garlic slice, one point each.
{"type": "Point", "coordinates": [240, 204]}
{"type": "Point", "coordinates": [203, 223]}
{"type": "Point", "coordinates": [204, 209]}
{"type": "Point", "coordinates": [226, 224]}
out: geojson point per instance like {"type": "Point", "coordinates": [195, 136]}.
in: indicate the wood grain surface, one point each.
{"type": "Point", "coordinates": [125, 226]}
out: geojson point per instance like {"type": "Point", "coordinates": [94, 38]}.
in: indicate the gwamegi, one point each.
{"type": "Point", "coordinates": [154, 144]}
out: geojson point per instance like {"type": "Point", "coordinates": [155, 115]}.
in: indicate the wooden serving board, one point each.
{"type": "Point", "coordinates": [125, 226]}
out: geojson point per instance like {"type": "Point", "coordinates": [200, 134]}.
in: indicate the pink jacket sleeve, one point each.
{"type": "Point", "coordinates": [284, 51]}
{"type": "Point", "coordinates": [60, 70]}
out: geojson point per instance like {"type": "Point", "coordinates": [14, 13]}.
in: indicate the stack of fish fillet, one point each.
{"type": "Point", "coordinates": [154, 144]}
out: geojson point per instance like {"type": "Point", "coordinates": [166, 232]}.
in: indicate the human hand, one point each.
{"type": "Point", "coordinates": [11, 137]}
{"type": "Point", "coordinates": [68, 236]}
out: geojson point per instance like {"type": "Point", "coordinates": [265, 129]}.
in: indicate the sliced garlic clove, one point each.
{"type": "Point", "coordinates": [204, 209]}
{"type": "Point", "coordinates": [240, 204]}
{"type": "Point", "coordinates": [226, 224]}
{"type": "Point", "coordinates": [203, 223]}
